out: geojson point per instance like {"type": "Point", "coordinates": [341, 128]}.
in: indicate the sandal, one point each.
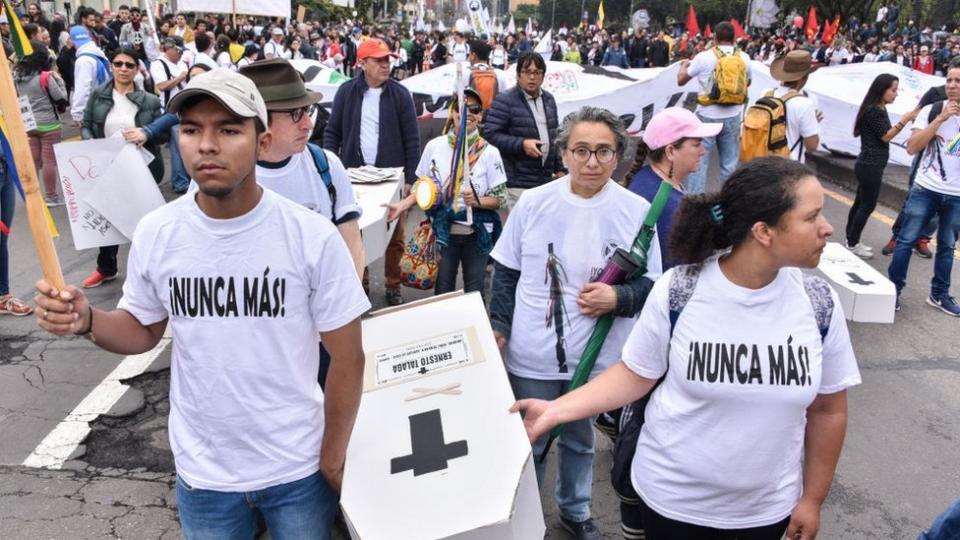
{"type": "Point", "coordinates": [9, 305]}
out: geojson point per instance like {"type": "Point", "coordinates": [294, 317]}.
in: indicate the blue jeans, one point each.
{"type": "Point", "coordinates": [461, 251]}
{"type": "Point", "coordinates": [728, 146]}
{"type": "Point", "coordinates": [946, 526]}
{"type": "Point", "coordinates": [574, 449]}
{"type": "Point", "coordinates": [299, 510]}
{"type": "Point", "coordinates": [8, 201]}
{"type": "Point", "coordinates": [179, 179]}
{"type": "Point", "coordinates": [921, 205]}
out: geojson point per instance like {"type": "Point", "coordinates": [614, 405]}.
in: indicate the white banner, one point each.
{"type": "Point", "coordinates": [269, 8]}
{"type": "Point", "coordinates": [637, 94]}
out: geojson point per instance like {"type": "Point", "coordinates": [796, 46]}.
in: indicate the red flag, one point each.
{"type": "Point", "coordinates": [828, 33]}
{"type": "Point", "coordinates": [708, 33]}
{"type": "Point", "coordinates": [738, 31]}
{"type": "Point", "coordinates": [812, 25]}
{"type": "Point", "coordinates": [692, 27]}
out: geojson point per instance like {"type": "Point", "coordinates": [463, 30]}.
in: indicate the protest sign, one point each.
{"type": "Point", "coordinates": [126, 191]}
{"type": "Point", "coordinates": [866, 294]}
{"type": "Point", "coordinates": [81, 164]}
{"type": "Point", "coordinates": [434, 433]}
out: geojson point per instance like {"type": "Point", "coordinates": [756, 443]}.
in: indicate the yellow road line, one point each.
{"type": "Point", "coordinates": [883, 218]}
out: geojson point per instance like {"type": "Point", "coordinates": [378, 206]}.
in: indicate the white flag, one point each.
{"type": "Point", "coordinates": [529, 27]}
{"type": "Point", "coordinates": [511, 27]}
{"type": "Point", "coordinates": [475, 17]}
{"type": "Point", "coordinates": [487, 23]}
{"type": "Point", "coordinates": [545, 47]}
{"type": "Point", "coordinates": [763, 13]}
{"type": "Point", "coordinates": [441, 27]}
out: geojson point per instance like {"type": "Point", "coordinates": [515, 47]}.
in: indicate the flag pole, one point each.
{"type": "Point", "coordinates": [23, 163]}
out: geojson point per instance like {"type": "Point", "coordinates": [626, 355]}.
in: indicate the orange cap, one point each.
{"type": "Point", "coordinates": [373, 48]}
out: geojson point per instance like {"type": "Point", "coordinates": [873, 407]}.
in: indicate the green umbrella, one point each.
{"type": "Point", "coordinates": [621, 267]}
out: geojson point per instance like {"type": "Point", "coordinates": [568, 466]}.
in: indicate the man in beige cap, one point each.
{"type": "Point", "coordinates": [803, 118]}
{"type": "Point", "coordinates": [246, 279]}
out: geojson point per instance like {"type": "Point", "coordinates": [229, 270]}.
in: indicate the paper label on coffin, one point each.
{"type": "Point", "coordinates": [435, 452]}
{"type": "Point", "coordinates": [866, 294]}
{"type": "Point", "coordinates": [374, 227]}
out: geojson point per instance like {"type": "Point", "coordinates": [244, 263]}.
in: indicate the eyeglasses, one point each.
{"type": "Point", "coordinates": [604, 155]}
{"type": "Point", "coordinates": [535, 73]}
{"type": "Point", "coordinates": [120, 64]}
{"type": "Point", "coordinates": [297, 114]}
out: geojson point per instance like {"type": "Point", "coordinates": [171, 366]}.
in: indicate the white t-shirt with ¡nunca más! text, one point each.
{"type": "Point", "coordinates": [583, 233]}
{"type": "Point", "coordinates": [724, 434]}
{"type": "Point", "coordinates": [246, 299]}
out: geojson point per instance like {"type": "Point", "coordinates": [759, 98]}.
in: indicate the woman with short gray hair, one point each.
{"type": "Point", "coordinates": [555, 244]}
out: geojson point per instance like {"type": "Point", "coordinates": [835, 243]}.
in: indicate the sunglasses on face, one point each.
{"type": "Point", "coordinates": [474, 108]}
{"type": "Point", "coordinates": [120, 64]}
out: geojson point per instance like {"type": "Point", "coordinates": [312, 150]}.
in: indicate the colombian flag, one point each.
{"type": "Point", "coordinates": [600, 16]}
{"type": "Point", "coordinates": [17, 36]}
{"type": "Point", "coordinates": [7, 150]}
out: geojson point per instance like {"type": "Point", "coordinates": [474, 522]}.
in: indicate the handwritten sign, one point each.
{"type": "Point", "coordinates": [81, 165]}
{"type": "Point", "coordinates": [126, 191]}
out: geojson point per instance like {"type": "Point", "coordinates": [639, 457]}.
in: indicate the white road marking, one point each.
{"type": "Point", "coordinates": [54, 450]}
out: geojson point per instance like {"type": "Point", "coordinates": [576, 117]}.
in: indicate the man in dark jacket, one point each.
{"type": "Point", "coordinates": [373, 122]}
{"type": "Point", "coordinates": [522, 124]}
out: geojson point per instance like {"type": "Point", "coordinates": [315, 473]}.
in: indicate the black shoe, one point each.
{"type": "Point", "coordinates": [583, 530]}
{"type": "Point", "coordinates": [394, 298]}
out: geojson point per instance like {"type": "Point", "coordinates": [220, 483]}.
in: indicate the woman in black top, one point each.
{"type": "Point", "coordinates": [873, 128]}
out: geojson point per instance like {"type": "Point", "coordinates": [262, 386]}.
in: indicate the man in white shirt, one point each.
{"type": "Point", "coordinates": [935, 191]}
{"type": "Point", "coordinates": [204, 43]}
{"type": "Point", "coordinates": [728, 140]}
{"type": "Point", "coordinates": [459, 50]}
{"type": "Point", "coordinates": [803, 118]}
{"type": "Point", "coordinates": [274, 48]}
{"type": "Point", "coordinates": [169, 73]}
{"type": "Point", "coordinates": [250, 429]}
{"type": "Point", "coordinates": [289, 168]}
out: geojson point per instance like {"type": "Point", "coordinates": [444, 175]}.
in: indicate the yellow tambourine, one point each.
{"type": "Point", "coordinates": [426, 191]}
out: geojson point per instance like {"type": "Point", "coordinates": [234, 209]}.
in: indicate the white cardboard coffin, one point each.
{"type": "Point", "coordinates": [435, 453]}
{"type": "Point", "coordinates": [374, 227]}
{"type": "Point", "coordinates": [866, 294]}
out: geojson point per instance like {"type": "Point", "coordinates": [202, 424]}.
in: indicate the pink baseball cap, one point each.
{"type": "Point", "coordinates": [675, 123]}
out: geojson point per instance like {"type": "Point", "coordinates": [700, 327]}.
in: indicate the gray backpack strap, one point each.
{"type": "Point", "coordinates": [683, 281]}
{"type": "Point", "coordinates": [818, 291]}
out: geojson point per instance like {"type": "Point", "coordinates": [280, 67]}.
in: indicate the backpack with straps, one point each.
{"type": "Point", "coordinates": [729, 80]}
{"type": "Point", "coordinates": [103, 67]}
{"type": "Point", "coordinates": [323, 167]}
{"type": "Point", "coordinates": [60, 105]}
{"type": "Point", "coordinates": [166, 71]}
{"type": "Point", "coordinates": [764, 128]}
{"type": "Point", "coordinates": [683, 282]}
{"type": "Point", "coordinates": [934, 145]}
{"type": "Point", "coordinates": [484, 81]}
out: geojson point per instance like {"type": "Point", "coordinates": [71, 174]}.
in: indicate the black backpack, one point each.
{"type": "Point", "coordinates": [933, 145]}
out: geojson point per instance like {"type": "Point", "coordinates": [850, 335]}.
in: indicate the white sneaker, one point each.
{"type": "Point", "coordinates": [861, 250]}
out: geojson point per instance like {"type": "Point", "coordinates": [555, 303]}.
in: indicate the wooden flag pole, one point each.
{"type": "Point", "coordinates": [23, 162]}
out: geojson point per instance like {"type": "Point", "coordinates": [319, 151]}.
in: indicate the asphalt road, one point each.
{"type": "Point", "coordinates": [900, 465]}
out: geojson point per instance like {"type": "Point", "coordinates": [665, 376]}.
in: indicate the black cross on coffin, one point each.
{"type": "Point", "coordinates": [430, 453]}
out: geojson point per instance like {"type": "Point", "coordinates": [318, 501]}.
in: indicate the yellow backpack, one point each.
{"type": "Point", "coordinates": [729, 80]}
{"type": "Point", "coordinates": [764, 128]}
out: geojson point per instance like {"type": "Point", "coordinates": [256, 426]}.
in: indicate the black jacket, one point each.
{"type": "Point", "coordinates": [510, 121]}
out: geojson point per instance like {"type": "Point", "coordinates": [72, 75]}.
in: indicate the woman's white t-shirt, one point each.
{"type": "Point", "coordinates": [121, 116]}
{"type": "Point", "coordinates": [486, 174]}
{"type": "Point", "coordinates": [584, 234]}
{"type": "Point", "coordinates": [723, 439]}
{"type": "Point", "coordinates": [224, 61]}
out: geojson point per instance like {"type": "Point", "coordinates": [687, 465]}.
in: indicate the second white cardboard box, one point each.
{"type": "Point", "coordinates": [435, 452]}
